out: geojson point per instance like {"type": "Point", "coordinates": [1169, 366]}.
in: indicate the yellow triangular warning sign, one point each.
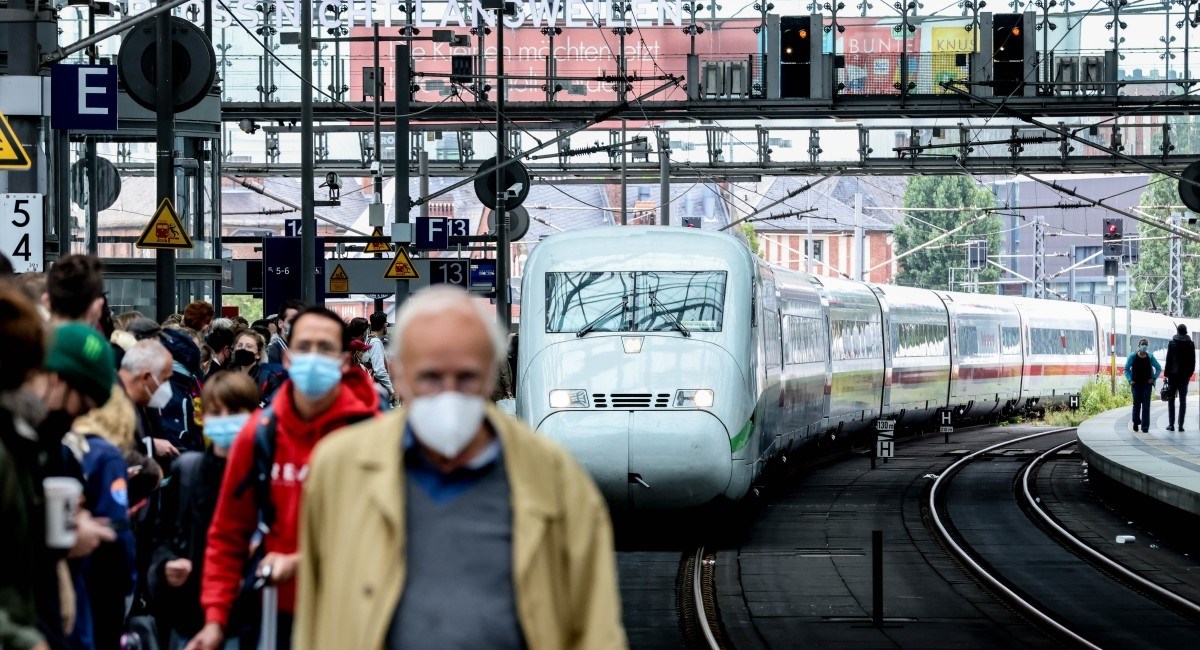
{"type": "Point", "coordinates": [12, 154]}
{"type": "Point", "coordinates": [165, 230]}
{"type": "Point", "coordinates": [339, 281]}
{"type": "Point", "coordinates": [402, 267]}
{"type": "Point", "coordinates": [379, 244]}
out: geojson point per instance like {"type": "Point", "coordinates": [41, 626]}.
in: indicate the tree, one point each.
{"type": "Point", "coordinates": [929, 268]}
{"type": "Point", "coordinates": [249, 307]}
{"type": "Point", "coordinates": [1150, 274]}
{"type": "Point", "coordinates": [751, 233]}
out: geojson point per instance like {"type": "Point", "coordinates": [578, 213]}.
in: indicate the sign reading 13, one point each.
{"type": "Point", "coordinates": [452, 271]}
{"type": "Point", "coordinates": [21, 231]}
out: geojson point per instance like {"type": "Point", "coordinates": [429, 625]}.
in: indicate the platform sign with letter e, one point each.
{"type": "Point", "coordinates": [21, 230]}
{"type": "Point", "coordinates": [165, 230]}
{"type": "Point", "coordinates": [83, 97]}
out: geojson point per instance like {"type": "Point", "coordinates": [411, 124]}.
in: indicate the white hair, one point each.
{"type": "Point", "coordinates": [221, 323]}
{"type": "Point", "coordinates": [441, 298]}
{"type": "Point", "coordinates": [146, 356]}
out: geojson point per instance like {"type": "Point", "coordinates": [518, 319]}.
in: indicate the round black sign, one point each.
{"type": "Point", "coordinates": [518, 222]}
{"type": "Point", "coordinates": [108, 183]}
{"type": "Point", "coordinates": [516, 182]}
{"type": "Point", "coordinates": [193, 64]}
{"type": "Point", "coordinates": [1189, 191]}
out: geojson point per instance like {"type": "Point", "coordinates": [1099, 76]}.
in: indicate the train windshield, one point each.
{"type": "Point", "coordinates": [635, 301]}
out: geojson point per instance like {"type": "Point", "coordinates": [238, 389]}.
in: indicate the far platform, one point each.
{"type": "Point", "coordinates": [1163, 465]}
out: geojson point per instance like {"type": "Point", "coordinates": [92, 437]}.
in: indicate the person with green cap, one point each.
{"type": "Point", "coordinates": [76, 376]}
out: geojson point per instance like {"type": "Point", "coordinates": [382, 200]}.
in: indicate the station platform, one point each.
{"type": "Point", "coordinates": [1163, 465]}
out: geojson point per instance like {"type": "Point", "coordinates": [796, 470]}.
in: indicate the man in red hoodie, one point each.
{"type": "Point", "coordinates": [325, 392]}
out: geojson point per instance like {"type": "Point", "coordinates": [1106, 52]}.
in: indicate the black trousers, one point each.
{"type": "Point", "coordinates": [1181, 389]}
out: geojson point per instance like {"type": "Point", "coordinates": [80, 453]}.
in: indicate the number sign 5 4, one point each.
{"type": "Point", "coordinates": [21, 231]}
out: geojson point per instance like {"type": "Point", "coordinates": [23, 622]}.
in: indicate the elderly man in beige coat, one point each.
{"type": "Point", "coordinates": [448, 524]}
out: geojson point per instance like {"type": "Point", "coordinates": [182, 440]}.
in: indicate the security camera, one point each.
{"type": "Point", "coordinates": [334, 183]}
{"type": "Point", "coordinates": [376, 168]}
{"type": "Point", "coordinates": [248, 126]}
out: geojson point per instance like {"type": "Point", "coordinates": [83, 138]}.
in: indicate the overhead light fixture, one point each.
{"type": "Point", "coordinates": [248, 126]}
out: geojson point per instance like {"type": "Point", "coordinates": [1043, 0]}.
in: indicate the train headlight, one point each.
{"type": "Point", "coordinates": [702, 398]}
{"type": "Point", "coordinates": [575, 398]}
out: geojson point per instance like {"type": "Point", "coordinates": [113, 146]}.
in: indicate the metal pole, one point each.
{"type": "Point", "coordinates": [808, 245]}
{"type": "Point", "coordinates": [423, 176]}
{"type": "Point", "coordinates": [1128, 310]}
{"type": "Point", "coordinates": [165, 169]}
{"type": "Point", "coordinates": [877, 578]}
{"type": "Point", "coordinates": [308, 222]}
{"type": "Point", "coordinates": [664, 183]}
{"type": "Point", "coordinates": [859, 250]}
{"type": "Point", "coordinates": [503, 309]}
{"type": "Point", "coordinates": [624, 178]}
{"type": "Point", "coordinates": [1175, 271]}
{"type": "Point", "coordinates": [62, 191]}
{"type": "Point", "coordinates": [93, 167]}
{"type": "Point", "coordinates": [1112, 338]}
{"type": "Point", "coordinates": [403, 150]}
{"type": "Point", "coordinates": [378, 90]}
{"type": "Point", "coordinates": [214, 180]}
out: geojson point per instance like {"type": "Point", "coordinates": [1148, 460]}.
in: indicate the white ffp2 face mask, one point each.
{"type": "Point", "coordinates": [161, 396]}
{"type": "Point", "coordinates": [446, 422]}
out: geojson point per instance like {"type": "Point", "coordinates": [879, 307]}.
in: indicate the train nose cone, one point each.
{"type": "Point", "coordinates": [646, 460]}
{"type": "Point", "coordinates": [600, 442]}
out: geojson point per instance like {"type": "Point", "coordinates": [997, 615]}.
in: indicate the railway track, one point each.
{"type": "Point", "coordinates": [987, 512]}
{"type": "Point", "coordinates": [696, 599]}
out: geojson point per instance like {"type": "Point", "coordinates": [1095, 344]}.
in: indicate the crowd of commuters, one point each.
{"type": "Point", "coordinates": [154, 477]}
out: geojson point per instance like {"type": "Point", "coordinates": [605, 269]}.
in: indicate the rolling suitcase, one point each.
{"type": "Point", "coordinates": [268, 637]}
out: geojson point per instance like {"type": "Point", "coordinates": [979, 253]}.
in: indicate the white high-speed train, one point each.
{"type": "Point", "coordinates": [676, 365]}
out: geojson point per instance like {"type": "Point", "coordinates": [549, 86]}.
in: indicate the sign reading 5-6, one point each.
{"type": "Point", "coordinates": [21, 231]}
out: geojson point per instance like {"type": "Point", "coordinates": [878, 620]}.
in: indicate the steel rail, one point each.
{"type": "Point", "coordinates": [698, 598]}
{"type": "Point", "coordinates": [963, 556]}
{"type": "Point", "coordinates": [1097, 556]}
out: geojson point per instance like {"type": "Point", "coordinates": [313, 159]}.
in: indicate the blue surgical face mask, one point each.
{"type": "Point", "coordinates": [315, 374]}
{"type": "Point", "coordinates": [222, 429]}
{"type": "Point", "coordinates": [1143, 348]}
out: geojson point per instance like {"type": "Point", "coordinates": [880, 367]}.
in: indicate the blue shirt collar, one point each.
{"type": "Point", "coordinates": [488, 456]}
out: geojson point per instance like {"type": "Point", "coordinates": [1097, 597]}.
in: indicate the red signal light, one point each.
{"type": "Point", "coordinates": [1016, 31]}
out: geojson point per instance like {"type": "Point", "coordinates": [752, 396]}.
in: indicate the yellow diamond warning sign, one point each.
{"type": "Point", "coordinates": [165, 230]}
{"type": "Point", "coordinates": [339, 281]}
{"type": "Point", "coordinates": [12, 154]}
{"type": "Point", "coordinates": [378, 243]}
{"type": "Point", "coordinates": [402, 267]}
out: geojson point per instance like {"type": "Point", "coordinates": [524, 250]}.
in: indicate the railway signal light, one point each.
{"type": "Point", "coordinates": [1113, 236]}
{"type": "Point", "coordinates": [1008, 54]}
{"type": "Point", "coordinates": [796, 46]}
{"type": "Point", "coordinates": [691, 222]}
{"type": "Point", "coordinates": [1110, 268]}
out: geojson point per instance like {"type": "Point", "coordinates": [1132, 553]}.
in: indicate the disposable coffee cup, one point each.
{"type": "Point", "coordinates": [62, 504]}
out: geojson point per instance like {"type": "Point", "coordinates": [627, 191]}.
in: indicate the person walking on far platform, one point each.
{"type": "Point", "coordinates": [1181, 363]}
{"type": "Point", "coordinates": [447, 524]}
{"type": "Point", "coordinates": [1142, 370]}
